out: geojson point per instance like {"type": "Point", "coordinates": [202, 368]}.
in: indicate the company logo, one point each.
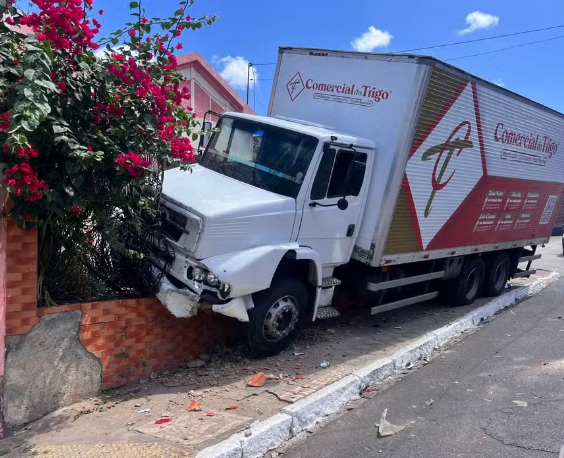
{"type": "Point", "coordinates": [531, 142]}
{"type": "Point", "coordinates": [362, 95]}
{"type": "Point", "coordinates": [445, 165]}
{"type": "Point", "coordinates": [450, 147]}
{"type": "Point", "coordinates": [295, 86]}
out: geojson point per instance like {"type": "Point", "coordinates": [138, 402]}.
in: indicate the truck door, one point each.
{"type": "Point", "coordinates": [327, 226]}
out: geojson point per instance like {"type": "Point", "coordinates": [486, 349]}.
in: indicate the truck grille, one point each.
{"type": "Point", "coordinates": [181, 228]}
{"type": "Point", "coordinates": [173, 223]}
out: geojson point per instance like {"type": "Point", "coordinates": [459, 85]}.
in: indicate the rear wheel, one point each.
{"type": "Point", "coordinates": [466, 288]}
{"type": "Point", "coordinates": [278, 316]}
{"type": "Point", "coordinates": [497, 273]}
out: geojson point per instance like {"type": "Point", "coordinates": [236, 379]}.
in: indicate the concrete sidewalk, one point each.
{"type": "Point", "coordinates": [217, 381]}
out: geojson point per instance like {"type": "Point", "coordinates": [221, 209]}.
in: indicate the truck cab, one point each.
{"type": "Point", "coordinates": [260, 223]}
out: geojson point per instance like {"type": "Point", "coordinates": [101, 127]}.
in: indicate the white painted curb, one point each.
{"type": "Point", "coordinates": [269, 434]}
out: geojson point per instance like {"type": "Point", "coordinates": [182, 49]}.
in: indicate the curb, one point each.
{"type": "Point", "coordinates": [269, 434]}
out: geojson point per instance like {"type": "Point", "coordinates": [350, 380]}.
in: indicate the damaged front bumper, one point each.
{"type": "Point", "coordinates": [184, 302]}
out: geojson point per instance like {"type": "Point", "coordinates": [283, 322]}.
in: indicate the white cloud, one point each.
{"type": "Point", "coordinates": [235, 70]}
{"type": "Point", "coordinates": [372, 39]}
{"type": "Point", "coordinates": [479, 21]}
{"type": "Point", "coordinates": [498, 82]}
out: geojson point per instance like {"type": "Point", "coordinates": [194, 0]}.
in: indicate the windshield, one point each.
{"type": "Point", "coordinates": [260, 155]}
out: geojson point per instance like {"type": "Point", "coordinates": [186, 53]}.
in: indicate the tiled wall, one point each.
{"type": "Point", "coordinates": [132, 337]}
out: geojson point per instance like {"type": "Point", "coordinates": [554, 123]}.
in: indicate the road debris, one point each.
{"type": "Point", "coordinates": [257, 380]}
{"type": "Point", "coordinates": [385, 428]}
{"type": "Point", "coordinates": [194, 407]}
{"type": "Point", "coordinates": [195, 364]}
{"type": "Point", "coordinates": [325, 364]}
{"type": "Point", "coordinates": [210, 414]}
{"type": "Point", "coordinates": [297, 353]}
{"type": "Point", "coordinates": [162, 421]}
{"type": "Point", "coordinates": [520, 403]}
{"type": "Point", "coordinates": [232, 407]}
{"type": "Point", "coordinates": [430, 402]}
{"type": "Point", "coordinates": [147, 410]}
{"type": "Point", "coordinates": [214, 382]}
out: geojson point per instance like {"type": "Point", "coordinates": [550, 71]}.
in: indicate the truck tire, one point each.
{"type": "Point", "coordinates": [279, 314]}
{"type": "Point", "coordinates": [497, 273]}
{"type": "Point", "coordinates": [465, 289]}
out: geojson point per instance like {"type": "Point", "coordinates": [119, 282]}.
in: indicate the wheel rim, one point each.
{"type": "Point", "coordinates": [281, 319]}
{"type": "Point", "coordinates": [473, 283]}
{"type": "Point", "coordinates": [500, 275]}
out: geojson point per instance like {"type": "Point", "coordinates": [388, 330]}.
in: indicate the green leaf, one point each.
{"type": "Point", "coordinates": [58, 129]}
{"type": "Point", "coordinates": [133, 5]}
{"type": "Point", "coordinates": [29, 74]}
{"type": "Point", "coordinates": [72, 167]}
{"type": "Point", "coordinates": [44, 107]}
{"type": "Point", "coordinates": [114, 41]}
{"type": "Point", "coordinates": [46, 84]}
{"type": "Point", "coordinates": [195, 137]}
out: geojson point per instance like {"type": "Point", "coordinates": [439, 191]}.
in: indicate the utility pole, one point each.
{"type": "Point", "coordinates": [248, 79]}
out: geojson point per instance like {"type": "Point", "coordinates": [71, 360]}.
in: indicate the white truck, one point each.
{"type": "Point", "coordinates": [400, 175]}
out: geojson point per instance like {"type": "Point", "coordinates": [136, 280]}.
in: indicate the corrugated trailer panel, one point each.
{"type": "Point", "coordinates": [485, 167]}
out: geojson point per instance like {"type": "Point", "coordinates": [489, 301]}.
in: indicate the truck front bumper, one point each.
{"type": "Point", "coordinates": [185, 302]}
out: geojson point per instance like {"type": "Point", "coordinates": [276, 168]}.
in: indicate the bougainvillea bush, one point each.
{"type": "Point", "coordinates": [87, 126]}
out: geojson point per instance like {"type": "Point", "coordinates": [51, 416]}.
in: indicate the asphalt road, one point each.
{"type": "Point", "coordinates": [518, 356]}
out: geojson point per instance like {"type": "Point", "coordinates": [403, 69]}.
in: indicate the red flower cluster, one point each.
{"type": "Point", "coordinates": [76, 209]}
{"type": "Point", "coordinates": [110, 109]}
{"type": "Point", "coordinates": [180, 148]}
{"type": "Point", "coordinates": [63, 23]}
{"type": "Point", "coordinates": [133, 163]}
{"type": "Point", "coordinates": [24, 182]}
{"type": "Point", "coordinates": [27, 152]}
{"type": "Point", "coordinates": [4, 121]}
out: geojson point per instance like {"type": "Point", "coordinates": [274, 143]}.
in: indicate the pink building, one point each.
{"type": "Point", "coordinates": [209, 90]}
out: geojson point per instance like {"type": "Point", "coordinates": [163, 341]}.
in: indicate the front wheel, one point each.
{"type": "Point", "coordinates": [277, 317]}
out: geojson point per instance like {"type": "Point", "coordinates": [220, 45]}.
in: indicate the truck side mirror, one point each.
{"type": "Point", "coordinates": [205, 137]}
{"type": "Point", "coordinates": [357, 171]}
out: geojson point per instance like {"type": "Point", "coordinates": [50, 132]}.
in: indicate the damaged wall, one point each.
{"type": "Point", "coordinates": [48, 368]}
{"type": "Point", "coordinates": [97, 345]}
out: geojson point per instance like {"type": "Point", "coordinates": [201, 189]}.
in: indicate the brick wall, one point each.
{"type": "Point", "coordinates": [21, 280]}
{"type": "Point", "coordinates": [132, 337]}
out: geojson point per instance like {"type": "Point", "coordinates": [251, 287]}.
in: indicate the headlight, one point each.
{"type": "Point", "coordinates": [211, 279]}
{"type": "Point", "coordinates": [198, 274]}
{"type": "Point", "coordinates": [225, 289]}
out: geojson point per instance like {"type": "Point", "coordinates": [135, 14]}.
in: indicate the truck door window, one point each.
{"type": "Point", "coordinates": [331, 178]}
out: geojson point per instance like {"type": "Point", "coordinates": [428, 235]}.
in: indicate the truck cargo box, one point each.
{"type": "Point", "coordinates": [462, 165]}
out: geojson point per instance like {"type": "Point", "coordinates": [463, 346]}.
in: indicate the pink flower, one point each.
{"type": "Point", "coordinates": [144, 20]}
{"type": "Point", "coordinates": [10, 21]}
{"type": "Point", "coordinates": [41, 36]}
{"type": "Point", "coordinates": [61, 85]}
{"type": "Point", "coordinates": [131, 32]}
{"type": "Point", "coordinates": [188, 18]}
{"type": "Point", "coordinates": [101, 12]}
{"type": "Point", "coordinates": [76, 209]}
{"type": "Point", "coordinates": [179, 46]}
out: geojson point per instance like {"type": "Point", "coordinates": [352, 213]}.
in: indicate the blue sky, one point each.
{"type": "Point", "coordinates": [252, 30]}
